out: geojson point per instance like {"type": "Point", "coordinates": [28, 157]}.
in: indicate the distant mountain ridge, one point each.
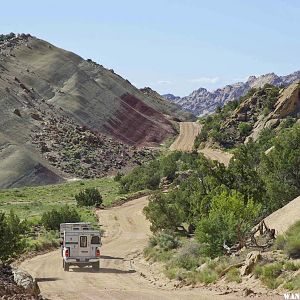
{"type": "Point", "coordinates": [202, 101]}
{"type": "Point", "coordinates": [171, 97]}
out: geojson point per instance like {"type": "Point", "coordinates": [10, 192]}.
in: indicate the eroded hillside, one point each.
{"type": "Point", "coordinates": [63, 116]}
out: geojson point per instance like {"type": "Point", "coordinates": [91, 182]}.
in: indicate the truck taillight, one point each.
{"type": "Point", "coordinates": [98, 252]}
{"type": "Point", "coordinates": [67, 253]}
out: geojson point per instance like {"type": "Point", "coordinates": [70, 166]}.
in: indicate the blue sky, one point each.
{"type": "Point", "coordinates": [172, 46]}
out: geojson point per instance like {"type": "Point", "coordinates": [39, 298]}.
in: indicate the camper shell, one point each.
{"type": "Point", "coordinates": [80, 245]}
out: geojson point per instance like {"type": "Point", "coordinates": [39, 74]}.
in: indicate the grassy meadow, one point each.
{"type": "Point", "coordinates": [31, 202]}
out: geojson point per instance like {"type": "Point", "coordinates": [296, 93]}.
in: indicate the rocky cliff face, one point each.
{"type": "Point", "coordinates": [252, 113]}
{"type": "Point", "coordinates": [64, 116]}
{"type": "Point", "coordinates": [202, 101]}
{"type": "Point", "coordinates": [287, 105]}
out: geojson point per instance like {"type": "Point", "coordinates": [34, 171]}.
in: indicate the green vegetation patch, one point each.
{"type": "Point", "coordinates": [290, 241]}
{"type": "Point", "coordinates": [29, 202]}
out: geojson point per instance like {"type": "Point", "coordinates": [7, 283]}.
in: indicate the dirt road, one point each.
{"type": "Point", "coordinates": [123, 274]}
{"type": "Point", "coordinates": [126, 234]}
{"type": "Point", "coordinates": [186, 137]}
{"type": "Point", "coordinates": [216, 154]}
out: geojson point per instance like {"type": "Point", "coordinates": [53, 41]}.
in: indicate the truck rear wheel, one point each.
{"type": "Point", "coordinates": [96, 266]}
{"type": "Point", "coordinates": [66, 266]}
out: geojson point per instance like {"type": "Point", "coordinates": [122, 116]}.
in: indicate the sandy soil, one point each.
{"type": "Point", "coordinates": [284, 217]}
{"type": "Point", "coordinates": [186, 137]}
{"type": "Point", "coordinates": [215, 154]}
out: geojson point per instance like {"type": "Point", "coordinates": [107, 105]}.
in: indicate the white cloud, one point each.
{"type": "Point", "coordinates": [164, 82]}
{"type": "Point", "coordinates": [207, 80]}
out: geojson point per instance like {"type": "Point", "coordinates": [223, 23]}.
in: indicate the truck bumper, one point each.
{"type": "Point", "coordinates": [80, 261]}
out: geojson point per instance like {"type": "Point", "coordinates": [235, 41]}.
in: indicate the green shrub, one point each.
{"type": "Point", "coordinates": [280, 242]}
{"type": "Point", "coordinates": [12, 236]}
{"type": "Point", "coordinates": [165, 241]}
{"type": "Point", "coordinates": [244, 128]}
{"type": "Point", "coordinates": [51, 220]}
{"type": "Point", "coordinates": [288, 122]}
{"type": "Point", "coordinates": [269, 274]}
{"type": "Point", "coordinates": [141, 178]}
{"type": "Point", "coordinates": [280, 169]}
{"type": "Point", "coordinates": [272, 270]}
{"type": "Point", "coordinates": [207, 276]}
{"type": "Point", "coordinates": [89, 197]}
{"type": "Point", "coordinates": [258, 270]}
{"type": "Point", "coordinates": [290, 266]}
{"type": "Point", "coordinates": [46, 240]}
{"type": "Point", "coordinates": [292, 246]}
{"type": "Point", "coordinates": [293, 284]}
{"type": "Point", "coordinates": [157, 254]}
{"type": "Point", "coordinates": [266, 111]}
{"type": "Point", "coordinates": [290, 242]}
{"type": "Point", "coordinates": [229, 218]}
{"type": "Point", "coordinates": [162, 213]}
{"type": "Point", "coordinates": [188, 256]}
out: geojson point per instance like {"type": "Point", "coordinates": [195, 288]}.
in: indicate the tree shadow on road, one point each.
{"type": "Point", "coordinates": [110, 257]}
{"type": "Point", "coordinates": [45, 279]}
{"type": "Point", "coordinates": [103, 270]}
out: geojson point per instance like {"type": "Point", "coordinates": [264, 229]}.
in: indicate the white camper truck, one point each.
{"type": "Point", "coordinates": [80, 245]}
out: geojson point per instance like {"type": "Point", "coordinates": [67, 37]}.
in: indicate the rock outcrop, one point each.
{"type": "Point", "coordinates": [289, 102]}
{"type": "Point", "coordinates": [287, 105]}
{"type": "Point", "coordinates": [251, 261]}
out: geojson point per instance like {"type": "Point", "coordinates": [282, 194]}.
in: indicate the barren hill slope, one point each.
{"type": "Point", "coordinates": [59, 111]}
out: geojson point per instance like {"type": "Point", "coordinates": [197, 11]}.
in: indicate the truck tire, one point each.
{"type": "Point", "coordinates": [96, 266]}
{"type": "Point", "coordinates": [66, 266]}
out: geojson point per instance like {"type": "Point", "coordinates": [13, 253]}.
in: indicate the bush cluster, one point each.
{"type": "Point", "coordinates": [52, 219]}
{"type": "Point", "coordinates": [12, 236]}
{"type": "Point", "coordinates": [89, 197]}
{"type": "Point", "coordinates": [213, 198]}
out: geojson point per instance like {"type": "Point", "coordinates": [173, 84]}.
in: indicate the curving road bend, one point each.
{"type": "Point", "coordinates": [186, 137]}
{"type": "Point", "coordinates": [126, 234]}
{"type": "Point", "coordinates": [120, 276]}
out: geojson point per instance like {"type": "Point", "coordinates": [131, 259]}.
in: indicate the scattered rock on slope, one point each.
{"type": "Point", "coordinates": [40, 82]}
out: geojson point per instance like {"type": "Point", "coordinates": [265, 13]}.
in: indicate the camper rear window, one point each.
{"type": "Point", "coordinates": [95, 240]}
{"type": "Point", "coordinates": [83, 241]}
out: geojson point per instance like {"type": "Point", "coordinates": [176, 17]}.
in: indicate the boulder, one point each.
{"type": "Point", "coordinates": [251, 260]}
{"type": "Point", "coordinates": [25, 280]}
